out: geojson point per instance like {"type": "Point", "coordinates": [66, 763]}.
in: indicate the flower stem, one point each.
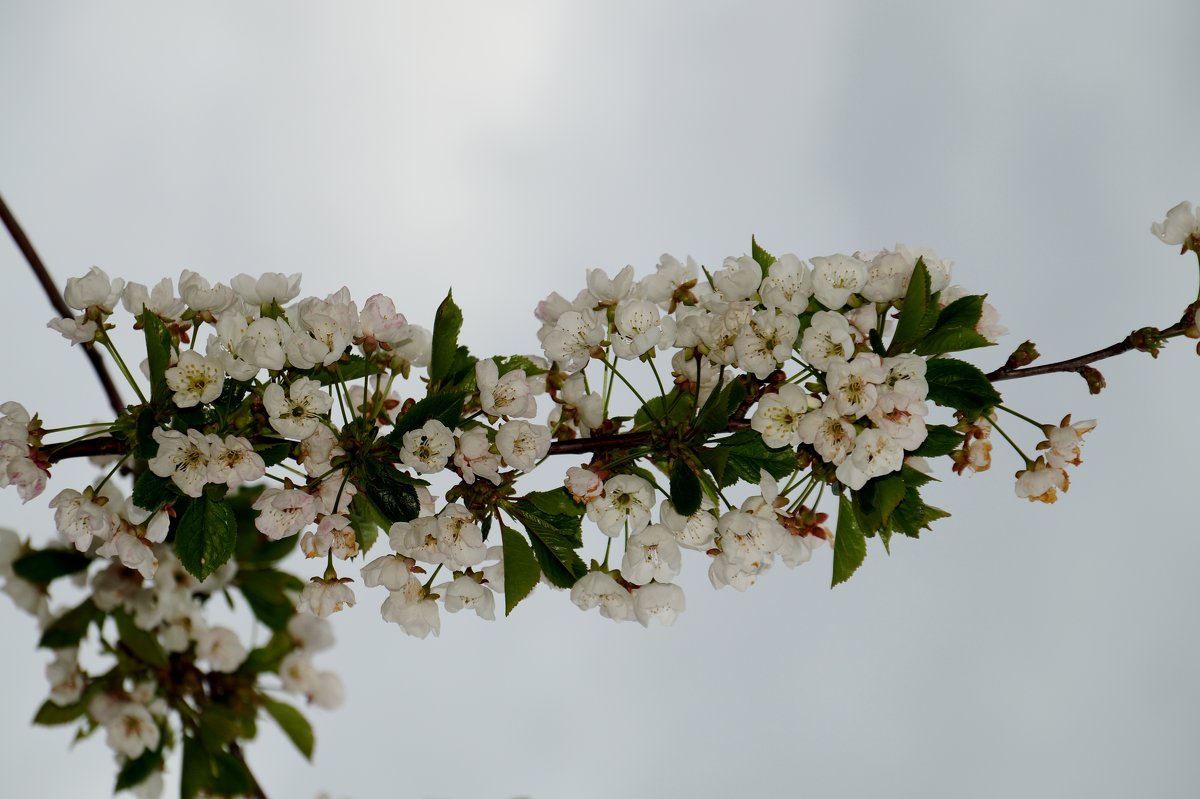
{"type": "Point", "coordinates": [1033, 422]}
{"type": "Point", "coordinates": [1028, 462]}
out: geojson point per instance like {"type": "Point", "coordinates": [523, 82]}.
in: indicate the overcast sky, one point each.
{"type": "Point", "coordinates": [504, 148]}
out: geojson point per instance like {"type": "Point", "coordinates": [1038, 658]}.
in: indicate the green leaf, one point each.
{"type": "Point", "coordinates": [205, 537]}
{"type": "Point", "coordinates": [554, 540]}
{"type": "Point", "coordinates": [685, 488]}
{"type": "Point", "coordinates": [714, 416]}
{"type": "Point", "coordinates": [43, 566]}
{"type": "Point", "coordinates": [268, 656]}
{"type": "Point", "coordinates": [915, 478]}
{"type": "Point", "coordinates": [146, 423]}
{"type": "Point", "coordinates": [70, 628]}
{"type": "Point", "coordinates": [52, 715]}
{"type": "Point", "coordinates": [955, 329]}
{"type": "Point", "coordinates": [158, 355]}
{"type": "Point", "coordinates": [913, 515]}
{"type": "Point", "coordinates": [671, 410]}
{"type": "Point", "coordinates": [919, 314]}
{"type": "Point", "coordinates": [879, 499]}
{"type": "Point", "coordinates": [446, 325]}
{"type": "Point", "coordinates": [367, 521]}
{"type": "Point", "coordinates": [293, 724]}
{"type": "Point", "coordinates": [266, 592]}
{"type": "Point", "coordinates": [959, 385]}
{"type": "Point", "coordinates": [143, 645]}
{"type": "Point", "coordinates": [343, 370]}
{"type": "Point", "coordinates": [195, 774]}
{"type": "Point", "coordinates": [763, 258]}
{"type": "Point", "coordinates": [558, 502]}
{"type": "Point", "coordinates": [151, 492]}
{"type": "Point", "coordinates": [389, 491]}
{"type": "Point", "coordinates": [941, 440]}
{"type": "Point", "coordinates": [273, 454]}
{"type": "Point", "coordinates": [876, 342]}
{"type": "Point", "coordinates": [138, 770]}
{"type": "Point", "coordinates": [849, 544]}
{"type": "Point", "coordinates": [746, 454]}
{"type": "Point", "coordinates": [513, 362]}
{"type": "Point", "coordinates": [521, 570]}
{"type": "Point", "coordinates": [446, 408]}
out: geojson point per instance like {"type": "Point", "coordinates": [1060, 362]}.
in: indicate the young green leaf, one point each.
{"type": "Point", "coordinates": [142, 645]}
{"type": "Point", "coordinates": [158, 355]}
{"type": "Point", "coordinates": [558, 502]}
{"type": "Point", "coordinates": [763, 258]}
{"type": "Point", "coordinates": [447, 323]}
{"type": "Point", "coordinates": [389, 491]}
{"type": "Point", "coordinates": [138, 770]}
{"type": "Point", "coordinates": [955, 329]}
{"type": "Point", "coordinates": [685, 488]}
{"type": "Point", "coordinates": [293, 724]}
{"type": "Point", "coordinates": [940, 440]}
{"type": "Point", "coordinates": [151, 492]}
{"type": "Point", "coordinates": [205, 537]}
{"type": "Point", "coordinates": [919, 314]}
{"type": "Point", "coordinates": [554, 540]}
{"type": "Point", "coordinates": [849, 544]}
{"type": "Point", "coordinates": [70, 628]}
{"type": "Point", "coordinates": [521, 570]}
{"type": "Point", "coordinates": [959, 385]}
{"type": "Point", "coordinates": [51, 714]}
{"type": "Point", "coordinates": [46, 565]}
{"type": "Point", "coordinates": [266, 592]}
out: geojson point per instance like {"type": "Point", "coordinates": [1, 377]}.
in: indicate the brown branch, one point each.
{"type": "Point", "coordinates": [60, 305]}
{"type": "Point", "coordinates": [1146, 340]}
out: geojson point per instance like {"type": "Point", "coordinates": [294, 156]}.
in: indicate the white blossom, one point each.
{"type": "Point", "coordinates": [583, 484]}
{"type": "Point", "coordinates": [854, 385]}
{"type": "Point", "coordinates": [195, 379]}
{"type": "Point", "coordinates": [574, 336]}
{"type": "Point", "coordinates": [322, 597]}
{"type": "Point", "coordinates": [427, 448]}
{"type": "Point", "coordinates": [221, 649]}
{"type": "Point", "coordinates": [160, 300]}
{"type": "Point", "coordinates": [506, 395]}
{"type": "Point", "coordinates": [79, 518]}
{"type": "Point", "coordinates": [698, 531]}
{"type": "Point", "coordinates": [608, 291]}
{"type": "Point", "coordinates": [473, 456]}
{"type": "Point", "coordinates": [826, 339]}
{"type": "Point", "coordinates": [283, 512]}
{"type": "Point", "coordinates": [232, 461]}
{"type": "Point", "coordinates": [836, 277]}
{"type": "Point", "coordinates": [298, 413]}
{"type": "Point", "coordinates": [788, 285]}
{"type": "Point", "coordinates": [628, 500]}
{"type": "Point", "coordinates": [1041, 482]}
{"type": "Point", "coordinates": [522, 444]}
{"type": "Point", "coordinates": [1180, 226]}
{"type": "Point", "coordinates": [778, 415]}
{"type": "Point", "coordinates": [270, 287]}
{"type": "Point", "coordinates": [201, 296]}
{"type": "Point", "coordinates": [93, 290]}
{"type": "Point", "coordinates": [465, 593]}
{"type": "Point", "coordinates": [766, 341]}
{"type": "Point", "coordinates": [738, 278]}
{"type": "Point", "coordinates": [599, 589]}
{"type": "Point", "coordinates": [652, 554]}
{"type": "Point", "coordinates": [182, 457]}
{"type": "Point", "coordinates": [875, 454]}
{"type": "Point", "coordinates": [660, 601]}
{"type": "Point", "coordinates": [130, 730]}
{"type": "Point", "coordinates": [640, 329]}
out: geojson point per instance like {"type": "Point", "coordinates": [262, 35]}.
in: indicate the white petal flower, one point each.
{"type": "Point", "coordinates": [698, 531]}
{"type": "Point", "coordinates": [200, 295]}
{"type": "Point", "coordinates": [195, 379]}
{"type": "Point", "coordinates": [628, 499]}
{"type": "Point", "coordinates": [474, 457]}
{"type": "Point", "coordinates": [652, 554]}
{"type": "Point", "coordinates": [1041, 482]}
{"type": "Point", "coordinates": [183, 458]}
{"type": "Point", "coordinates": [77, 331]}
{"type": "Point", "coordinates": [574, 336]}
{"type": "Point", "coordinates": [459, 538]}
{"type": "Point", "coordinates": [262, 343]}
{"type": "Point", "coordinates": [836, 277]}
{"type": "Point", "coordinates": [854, 385]}
{"type": "Point", "coordinates": [640, 329]}
{"type": "Point", "coordinates": [232, 461]}
{"type": "Point", "coordinates": [583, 484]}
{"type": "Point", "coordinates": [503, 396]}
{"type": "Point", "coordinates": [901, 418]}
{"type": "Point", "coordinates": [160, 300]}
{"type": "Point", "coordinates": [297, 414]}
{"type": "Point", "coordinates": [132, 552]}
{"type": "Point", "coordinates": [826, 339]}
{"type": "Point", "coordinates": [221, 648]}
{"type": "Point", "coordinates": [788, 285]}
{"type": "Point", "coordinates": [600, 589]}
{"type": "Point", "coordinates": [427, 449]}
{"type": "Point", "coordinates": [778, 415]}
{"type": "Point", "coordinates": [522, 444]}
{"type": "Point", "coordinates": [312, 633]}
{"type": "Point", "coordinates": [608, 291]}
{"type": "Point", "coordinates": [379, 323]}
{"type": "Point", "coordinates": [270, 287]}
{"type": "Point", "coordinates": [464, 592]}
{"type": "Point", "coordinates": [766, 341]}
{"type": "Point", "coordinates": [1180, 225]}
{"type": "Point", "coordinates": [663, 602]}
{"type": "Point", "coordinates": [93, 290]}
{"type": "Point", "coordinates": [284, 512]}
{"type": "Point", "coordinates": [322, 597]}
{"type": "Point", "coordinates": [738, 278]}
{"type": "Point", "coordinates": [416, 614]}
{"type": "Point", "coordinates": [875, 454]}
{"type": "Point", "coordinates": [393, 572]}
{"type": "Point", "coordinates": [130, 730]}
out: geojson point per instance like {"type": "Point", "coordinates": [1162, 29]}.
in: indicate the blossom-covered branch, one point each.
{"type": "Point", "coordinates": [712, 410]}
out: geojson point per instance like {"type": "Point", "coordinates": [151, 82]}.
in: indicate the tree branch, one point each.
{"type": "Point", "coordinates": [60, 305]}
{"type": "Point", "coordinates": [1145, 339]}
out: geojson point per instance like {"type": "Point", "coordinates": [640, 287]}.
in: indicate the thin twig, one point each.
{"type": "Point", "coordinates": [1077, 363]}
{"type": "Point", "coordinates": [60, 305]}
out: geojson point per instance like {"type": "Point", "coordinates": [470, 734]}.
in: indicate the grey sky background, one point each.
{"type": "Point", "coordinates": [502, 149]}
